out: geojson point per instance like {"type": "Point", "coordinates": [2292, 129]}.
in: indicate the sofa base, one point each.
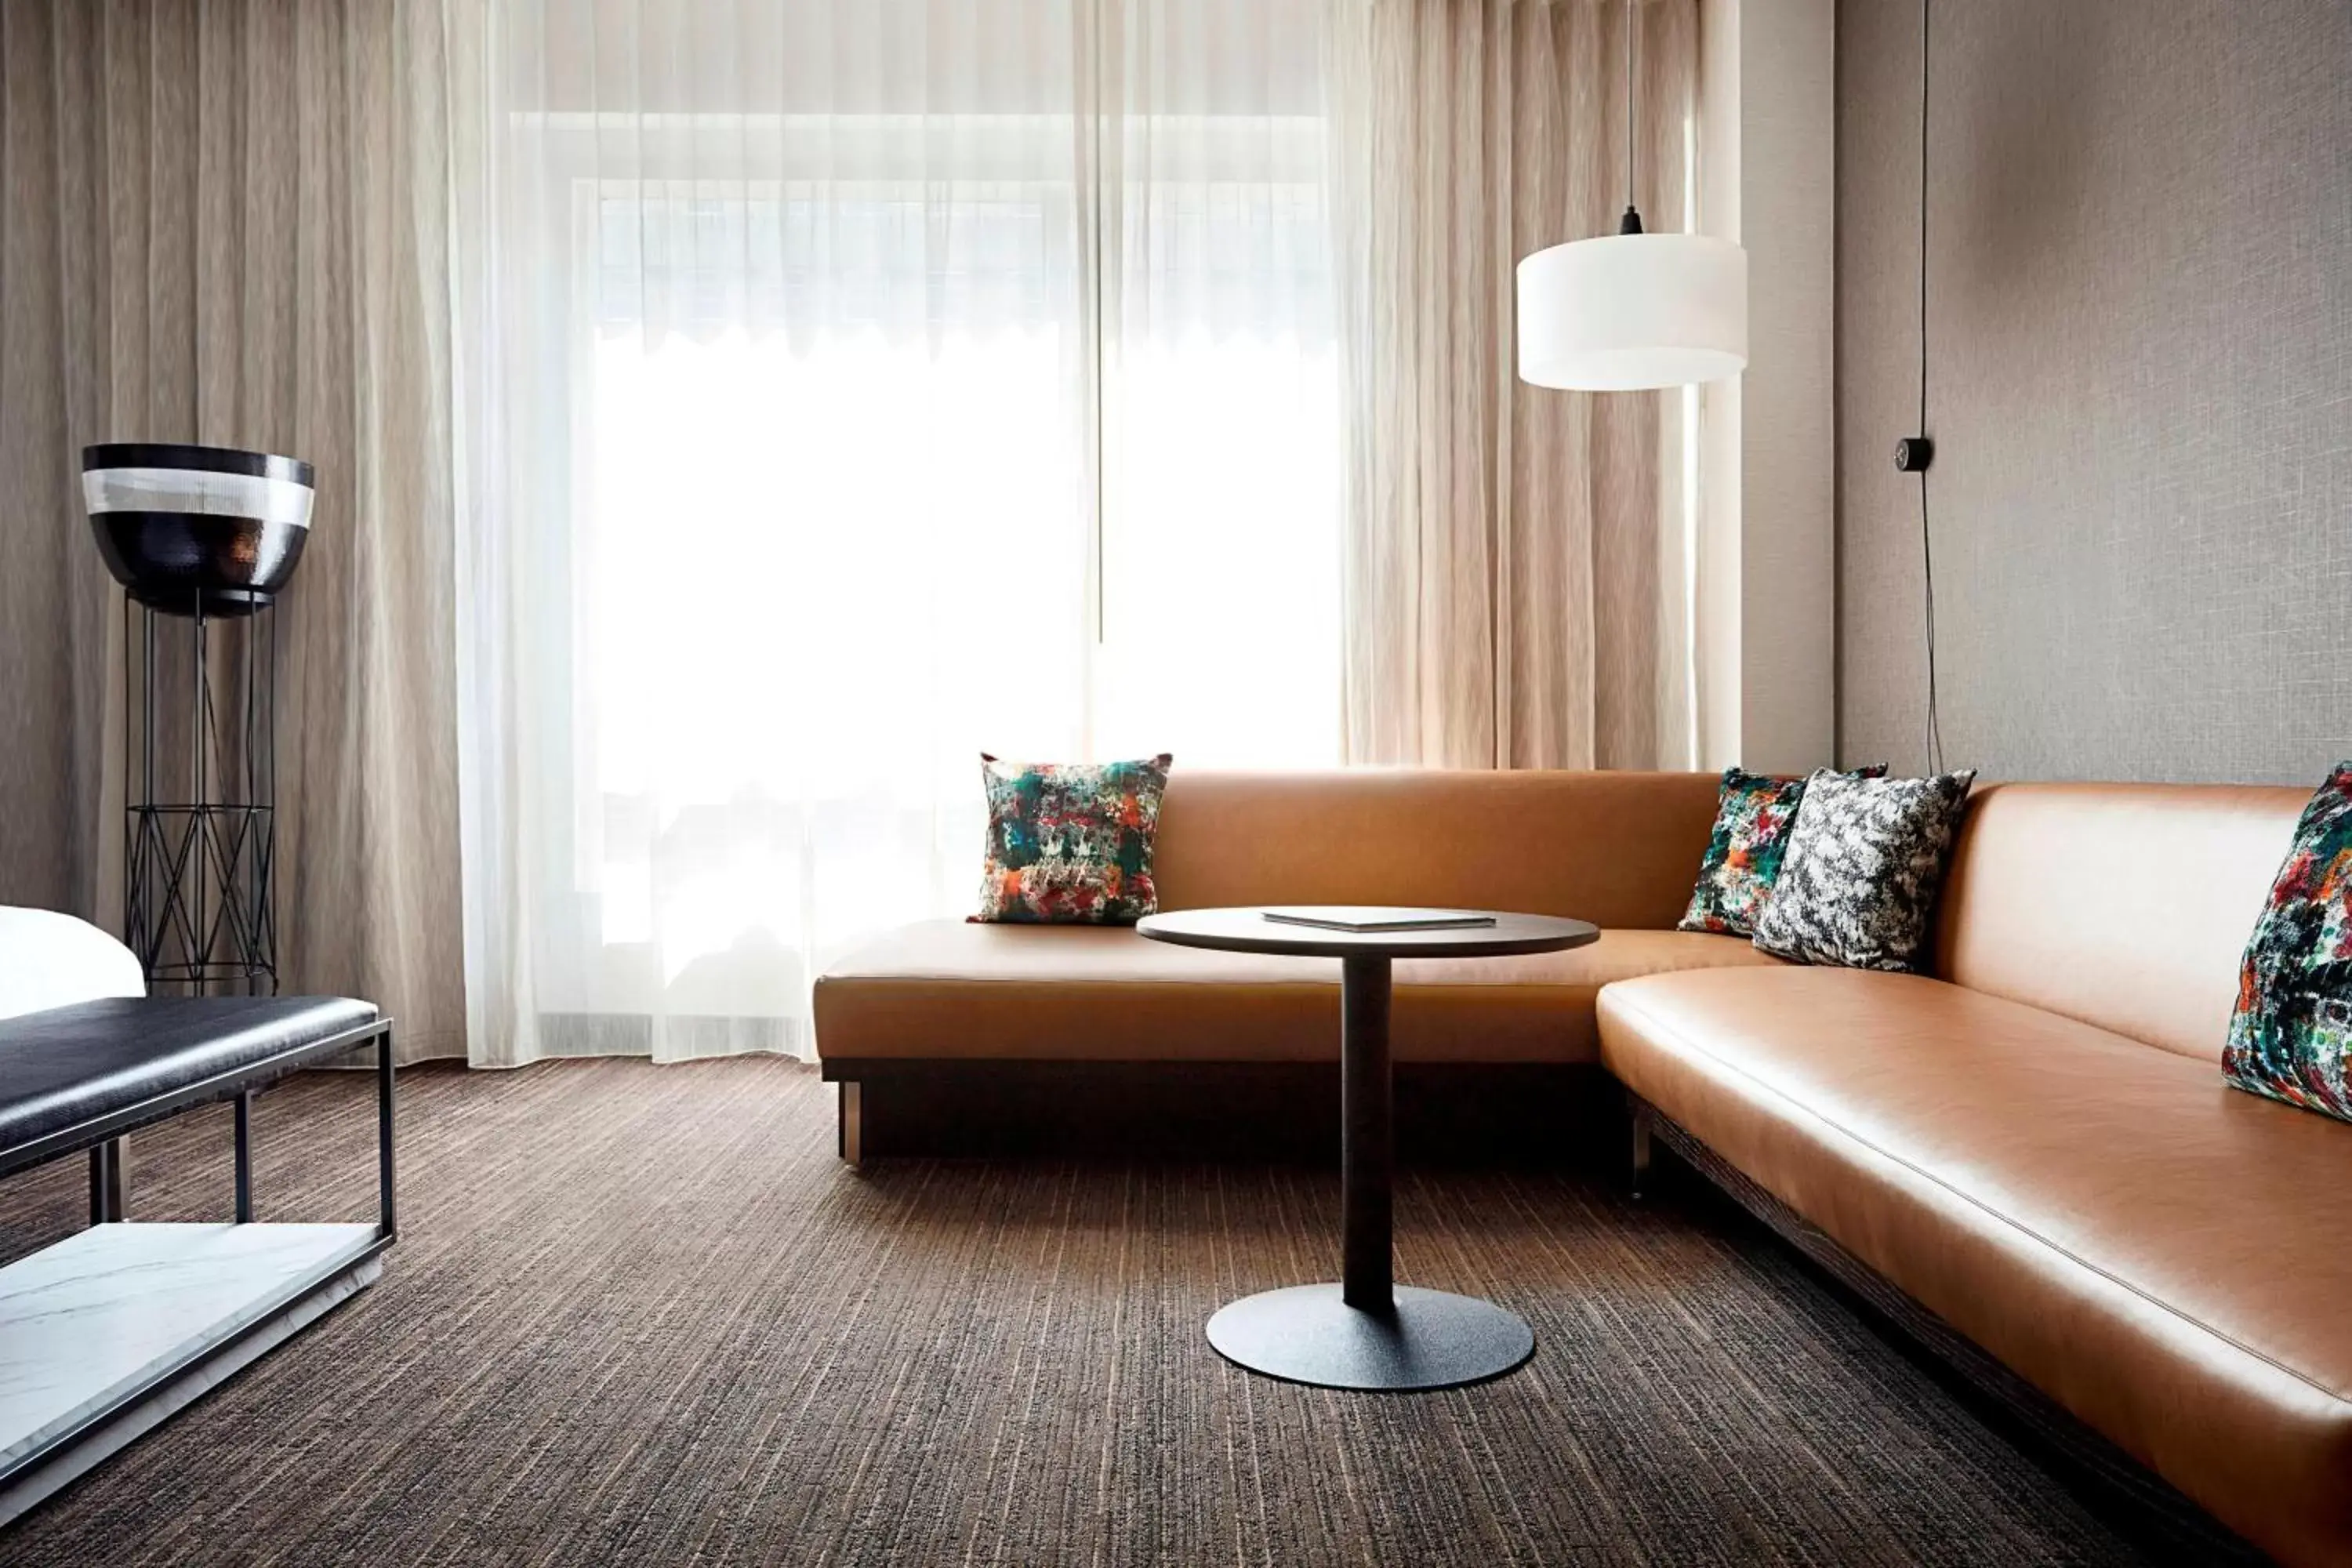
{"type": "Point", "coordinates": [1446, 1114]}
{"type": "Point", "coordinates": [2136, 1501]}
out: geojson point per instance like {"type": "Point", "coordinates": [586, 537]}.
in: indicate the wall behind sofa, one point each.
{"type": "Point", "coordinates": [2141, 324]}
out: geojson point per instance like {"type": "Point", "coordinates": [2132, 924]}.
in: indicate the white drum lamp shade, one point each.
{"type": "Point", "coordinates": [1628, 312]}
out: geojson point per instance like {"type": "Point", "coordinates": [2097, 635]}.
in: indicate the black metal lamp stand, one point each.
{"type": "Point", "coordinates": [199, 905]}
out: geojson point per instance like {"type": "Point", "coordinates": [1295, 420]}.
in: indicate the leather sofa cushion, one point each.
{"type": "Point", "coordinates": [67, 1064]}
{"type": "Point", "coordinates": [2165, 1255]}
{"type": "Point", "coordinates": [2127, 906]}
{"type": "Point", "coordinates": [950, 989]}
{"type": "Point", "coordinates": [1619, 849]}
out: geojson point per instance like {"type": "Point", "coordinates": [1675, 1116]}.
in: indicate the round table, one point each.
{"type": "Point", "coordinates": [1368, 1332]}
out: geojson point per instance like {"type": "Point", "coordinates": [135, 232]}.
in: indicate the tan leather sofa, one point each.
{"type": "Point", "coordinates": [2036, 1150]}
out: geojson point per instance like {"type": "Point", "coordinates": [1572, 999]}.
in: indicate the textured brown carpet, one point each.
{"type": "Point", "coordinates": [640, 1314]}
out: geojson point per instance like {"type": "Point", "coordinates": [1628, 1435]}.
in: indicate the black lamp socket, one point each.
{"type": "Point", "coordinates": [1913, 454]}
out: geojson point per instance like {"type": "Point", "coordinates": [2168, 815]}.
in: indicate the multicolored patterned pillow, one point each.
{"type": "Point", "coordinates": [1070, 844]}
{"type": "Point", "coordinates": [1752, 817]}
{"type": "Point", "coordinates": [2292, 1033]}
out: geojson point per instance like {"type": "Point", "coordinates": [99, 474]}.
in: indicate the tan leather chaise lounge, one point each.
{"type": "Point", "coordinates": [2037, 1148]}
{"type": "Point", "coordinates": [943, 1034]}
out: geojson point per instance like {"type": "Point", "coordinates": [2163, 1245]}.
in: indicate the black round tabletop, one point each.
{"type": "Point", "coordinates": [1248, 931]}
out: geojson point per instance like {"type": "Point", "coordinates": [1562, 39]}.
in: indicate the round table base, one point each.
{"type": "Point", "coordinates": [1433, 1340]}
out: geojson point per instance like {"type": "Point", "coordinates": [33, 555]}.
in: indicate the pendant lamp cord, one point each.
{"type": "Point", "coordinates": [1927, 540]}
{"type": "Point", "coordinates": [1631, 222]}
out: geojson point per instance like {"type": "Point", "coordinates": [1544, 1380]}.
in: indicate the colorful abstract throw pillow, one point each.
{"type": "Point", "coordinates": [1752, 817]}
{"type": "Point", "coordinates": [2292, 1033]}
{"type": "Point", "coordinates": [1865, 864]}
{"type": "Point", "coordinates": [1070, 844]}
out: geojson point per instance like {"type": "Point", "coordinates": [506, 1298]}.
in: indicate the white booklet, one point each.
{"type": "Point", "coordinates": [1349, 917]}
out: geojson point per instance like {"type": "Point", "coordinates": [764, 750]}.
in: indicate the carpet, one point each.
{"type": "Point", "coordinates": [641, 1314]}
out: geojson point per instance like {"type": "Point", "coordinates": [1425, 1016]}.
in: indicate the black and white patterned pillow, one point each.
{"type": "Point", "coordinates": [1866, 858]}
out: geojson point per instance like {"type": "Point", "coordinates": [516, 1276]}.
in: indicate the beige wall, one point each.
{"type": "Point", "coordinates": [1767, 558]}
{"type": "Point", "coordinates": [2140, 321]}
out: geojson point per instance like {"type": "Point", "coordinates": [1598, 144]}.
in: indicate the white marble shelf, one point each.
{"type": "Point", "coordinates": [110, 1307]}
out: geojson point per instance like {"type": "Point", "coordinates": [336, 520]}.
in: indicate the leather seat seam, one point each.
{"type": "Point", "coordinates": [1980, 1204]}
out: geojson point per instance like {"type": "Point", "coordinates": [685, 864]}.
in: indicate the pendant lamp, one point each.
{"type": "Point", "coordinates": [1633, 310]}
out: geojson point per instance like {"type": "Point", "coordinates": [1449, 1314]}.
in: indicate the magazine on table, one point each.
{"type": "Point", "coordinates": [1367, 920]}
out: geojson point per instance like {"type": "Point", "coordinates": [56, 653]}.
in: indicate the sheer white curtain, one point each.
{"type": "Point", "coordinates": [857, 385]}
{"type": "Point", "coordinates": [1221, 457]}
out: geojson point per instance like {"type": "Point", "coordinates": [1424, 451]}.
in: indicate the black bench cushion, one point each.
{"type": "Point", "coordinates": [66, 1066]}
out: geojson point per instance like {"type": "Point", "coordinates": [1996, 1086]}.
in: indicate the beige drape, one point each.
{"type": "Point", "coordinates": [228, 224]}
{"type": "Point", "coordinates": [1516, 568]}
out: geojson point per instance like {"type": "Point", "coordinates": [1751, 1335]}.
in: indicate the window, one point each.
{"type": "Point", "coordinates": [866, 418]}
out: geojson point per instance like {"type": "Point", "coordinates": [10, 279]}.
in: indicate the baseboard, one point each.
{"type": "Point", "coordinates": [1543, 1114]}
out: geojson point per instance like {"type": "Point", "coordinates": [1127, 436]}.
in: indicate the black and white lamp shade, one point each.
{"type": "Point", "coordinates": [197, 529]}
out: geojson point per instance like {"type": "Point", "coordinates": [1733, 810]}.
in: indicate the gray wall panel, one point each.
{"type": "Point", "coordinates": [2140, 385]}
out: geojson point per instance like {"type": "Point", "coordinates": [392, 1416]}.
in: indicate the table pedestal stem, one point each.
{"type": "Point", "coordinates": [1368, 1136]}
